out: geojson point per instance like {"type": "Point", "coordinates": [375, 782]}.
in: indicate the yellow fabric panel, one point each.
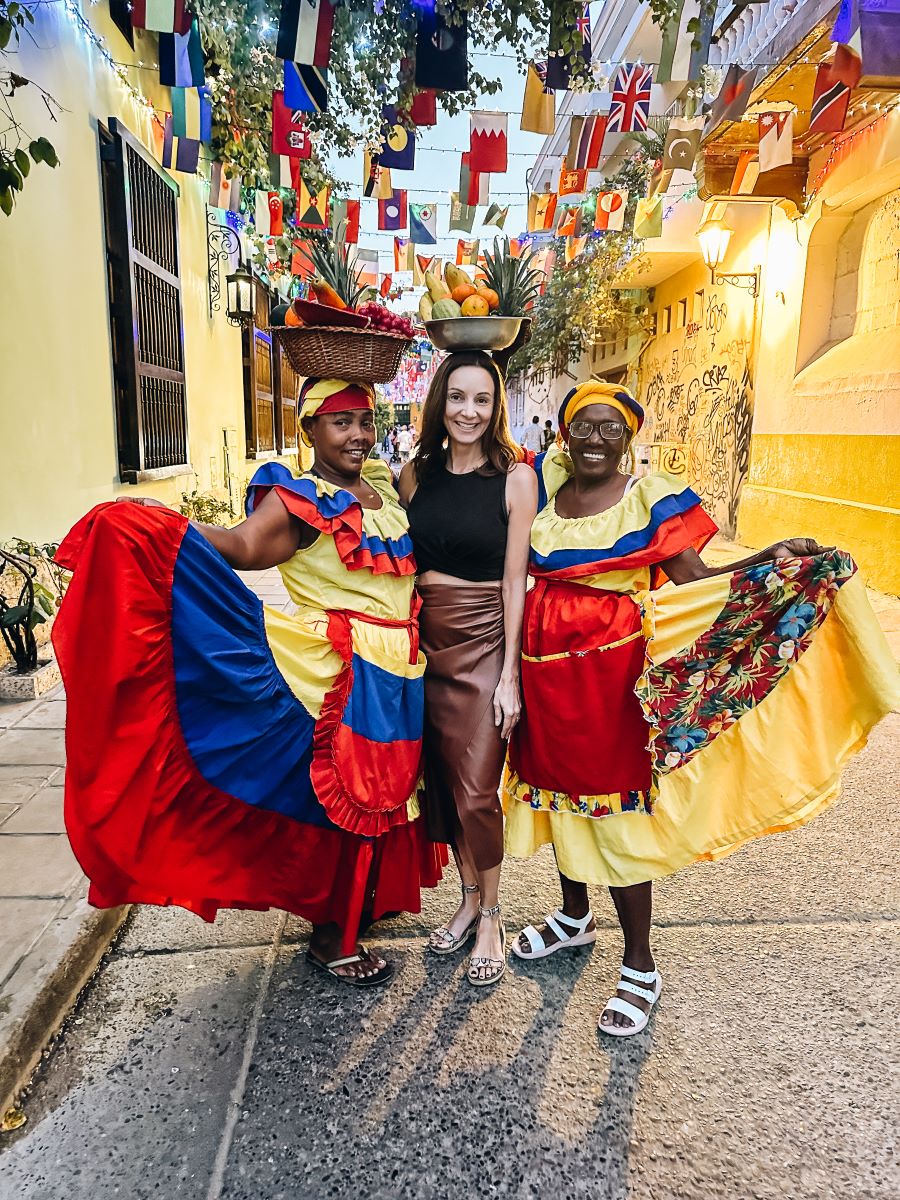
{"type": "Point", "coordinates": [674, 617]}
{"type": "Point", "coordinates": [773, 770]}
{"type": "Point", "coordinates": [303, 654]}
{"type": "Point", "coordinates": [387, 648]}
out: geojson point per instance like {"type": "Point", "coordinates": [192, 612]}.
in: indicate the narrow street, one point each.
{"type": "Point", "coordinates": [209, 1061]}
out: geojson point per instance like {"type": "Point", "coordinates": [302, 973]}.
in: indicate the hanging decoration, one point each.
{"type": "Point", "coordinates": [682, 143]}
{"type": "Point", "coordinates": [289, 132]}
{"type": "Point", "coordinates": [648, 217]}
{"type": "Point", "coordinates": [376, 178]}
{"type": "Point", "coordinates": [610, 215]}
{"type": "Point", "coordinates": [776, 144]}
{"type": "Point", "coordinates": [629, 108]}
{"type": "Point", "coordinates": [312, 208]}
{"type": "Point", "coordinates": [345, 221]}
{"type": "Point", "coordinates": [224, 189]}
{"type": "Point", "coordinates": [879, 42]}
{"type": "Point", "coordinates": [678, 38]}
{"type": "Point", "coordinates": [462, 216]}
{"type": "Point", "coordinates": [847, 64]}
{"type": "Point", "coordinates": [423, 263]}
{"type": "Point", "coordinates": [570, 222]}
{"type": "Point", "coordinates": [181, 61]}
{"type": "Point", "coordinates": [467, 252]}
{"type": "Point", "coordinates": [442, 60]}
{"type": "Point", "coordinates": [734, 96]}
{"type": "Point", "coordinates": [158, 16]}
{"type": "Point", "coordinates": [829, 103]}
{"type": "Point", "coordinates": [572, 182]}
{"type": "Point", "coordinates": [541, 211]}
{"type": "Point", "coordinates": [268, 214]}
{"type": "Point", "coordinates": [179, 153]}
{"type": "Point", "coordinates": [304, 32]}
{"type": "Point", "coordinates": [423, 224]}
{"type": "Point", "coordinates": [574, 247]}
{"type": "Point", "coordinates": [404, 254]}
{"type": "Point", "coordinates": [392, 213]}
{"type": "Point", "coordinates": [398, 150]}
{"type": "Point", "coordinates": [488, 143]}
{"type": "Point", "coordinates": [473, 185]}
{"type": "Point", "coordinates": [305, 88]}
{"type": "Point", "coordinates": [570, 44]}
{"type": "Point", "coordinates": [539, 103]}
{"type": "Point", "coordinates": [192, 113]}
{"type": "Point", "coordinates": [586, 141]}
{"type": "Point", "coordinates": [284, 172]}
{"type": "Point", "coordinates": [423, 110]}
{"type": "Point", "coordinates": [385, 286]}
{"type": "Point", "coordinates": [496, 216]}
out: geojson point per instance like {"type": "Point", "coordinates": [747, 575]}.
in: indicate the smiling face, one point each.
{"type": "Point", "coordinates": [596, 458]}
{"type": "Point", "coordinates": [470, 404]}
{"type": "Point", "coordinates": [342, 441]}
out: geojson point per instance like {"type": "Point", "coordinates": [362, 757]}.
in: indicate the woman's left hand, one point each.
{"type": "Point", "coordinates": [507, 704]}
{"type": "Point", "coordinates": [798, 548]}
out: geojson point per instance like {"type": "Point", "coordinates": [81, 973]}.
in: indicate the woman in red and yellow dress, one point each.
{"type": "Point", "coordinates": [226, 755]}
{"type": "Point", "coordinates": [661, 724]}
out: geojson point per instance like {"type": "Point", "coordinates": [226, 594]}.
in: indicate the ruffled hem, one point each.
{"type": "Point", "coordinates": [605, 804]}
{"type": "Point", "coordinates": [339, 514]}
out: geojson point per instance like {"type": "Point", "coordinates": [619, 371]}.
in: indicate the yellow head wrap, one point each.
{"type": "Point", "coordinates": [598, 391]}
{"type": "Point", "coordinates": [333, 395]}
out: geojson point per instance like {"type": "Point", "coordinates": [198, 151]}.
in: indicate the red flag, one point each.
{"type": "Point", "coordinates": [831, 97]}
{"type": "Point", "coordinates": [276, 215]}
{"type": "Point", "coordinates": [385, 286]}
{"type": "Point", "coordinates": [301, 262]}
{"type": "Point", "coordinates": [572, 183]}
{"type": "Point", "coordinates": [289, 135]}
{"type": "Point", "coordinates": [423, 110]}
{"type": "Point", "coordinates": [488, 144]}
{"type": "Point", "coordinates": [473, 185]}
{"type": "Point", "coordinates": [345, 220]}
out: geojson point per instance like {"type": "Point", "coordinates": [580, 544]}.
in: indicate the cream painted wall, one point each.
{"type": "Point", "coordinates": [57, 421]}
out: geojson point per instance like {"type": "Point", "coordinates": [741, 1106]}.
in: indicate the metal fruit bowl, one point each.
{"type": "Point", "coordinates": [474, 333]}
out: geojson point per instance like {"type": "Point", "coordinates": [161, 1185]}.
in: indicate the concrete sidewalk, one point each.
{"type": "Point", "coordinates": [50, 938]}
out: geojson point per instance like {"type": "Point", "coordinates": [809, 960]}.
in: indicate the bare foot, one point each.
{"type": "Point", "coordinates": [460, 921]}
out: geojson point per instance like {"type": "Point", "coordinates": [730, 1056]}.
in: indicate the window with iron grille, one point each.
{"type": "Point", "coordinates": [145, 308]}
{"type": "Point", "coordinates": [271, 386]}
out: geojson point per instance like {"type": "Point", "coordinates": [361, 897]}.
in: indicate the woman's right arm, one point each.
{"type": "Point", "coordinates": [407, 484]}
{"type": "Point", "coordinates": [269, 536]}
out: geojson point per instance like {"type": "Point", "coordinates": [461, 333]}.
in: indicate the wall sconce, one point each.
{"type": "Point", "coordinates": [239, 289]}
{"type": "Point", "coordinates": [714, 238]}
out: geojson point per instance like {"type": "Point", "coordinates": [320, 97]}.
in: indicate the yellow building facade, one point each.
{"type": "Point", "coordinates": [59, 442]}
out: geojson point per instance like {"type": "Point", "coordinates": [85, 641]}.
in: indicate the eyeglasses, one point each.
{"type": "Point", "coordinates": [610, 431]}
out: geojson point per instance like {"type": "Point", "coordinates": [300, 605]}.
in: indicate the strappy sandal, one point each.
{"type": "Point", "coordinates": [567, 941]}
{"type": "Point", "coordinates": [449, 943]}
{"type": "Point", "coordinates": [631, 1011]}
{"type": "Point", "coordinates": [381, 976]}
{"type": "Point", "coordinates": [496, 965]}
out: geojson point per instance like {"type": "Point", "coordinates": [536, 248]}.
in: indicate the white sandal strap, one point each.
{"type": "Point", "coordinates": [344, 962]}
{"type": "Point", "coordinates": [639, 976]}
{"type": "Point", "coordinates": [631, 1011]}
{"type": "Point", "coordinates": [577, 925]}
{"type": "Point", "coordinates": [535, 941]}
{"type": "Point", "coordinates": [644, 993]}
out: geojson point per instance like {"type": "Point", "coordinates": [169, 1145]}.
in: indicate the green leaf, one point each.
{"type": "Point", "coordinates": [46, 604]}
{"type": "Point", "coordinates": [14, 616]}
{"type": "Point", "coordinates": [36, 150]}
{"type": "Point", "coordinates": [36, 618]}
{"type": "Point", "coordinates": [6, 201]}
{"type": "Point", "coordinates": [47, 153]}
{"type": "Point", "coordinates": [22, 162]}
{"type": "Point", "coordinates": [5, 33]}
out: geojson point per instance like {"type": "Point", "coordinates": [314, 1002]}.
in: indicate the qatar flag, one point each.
{"type": "Point", "coordinates": [611, 211]}
{"type": "Point", "coordinates": [488, 143]}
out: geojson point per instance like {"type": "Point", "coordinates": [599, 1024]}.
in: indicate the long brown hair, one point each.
{"type": "Point", "coordinates": [499, 448]}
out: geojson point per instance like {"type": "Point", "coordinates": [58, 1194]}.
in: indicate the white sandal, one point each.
{"type": "Point", "coordinates": [631, 1011]}
{"type": "Point", "coordinates": [567, 941]}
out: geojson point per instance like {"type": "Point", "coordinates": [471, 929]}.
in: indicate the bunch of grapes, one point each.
{"type": "Point", "coordinates": [385, 321]}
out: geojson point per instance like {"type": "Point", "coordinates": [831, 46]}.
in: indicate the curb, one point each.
{"type": "Point", "coordinates": [44, 988]}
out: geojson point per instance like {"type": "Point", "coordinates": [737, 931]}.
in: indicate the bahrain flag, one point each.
{"type": "Point", "coordinates": [488, 144]}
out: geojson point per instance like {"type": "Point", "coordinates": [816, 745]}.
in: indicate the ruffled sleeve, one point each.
{"type": "Point", "coordinates": [376, 540]}
{"type": "Point", "coordinates": [659, 518]}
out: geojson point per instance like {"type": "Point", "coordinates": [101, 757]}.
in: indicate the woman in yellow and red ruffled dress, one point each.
{"type": "Point", "coordinates": [663, 724]}
{"type": "Point", "coordinates": [223, 755]}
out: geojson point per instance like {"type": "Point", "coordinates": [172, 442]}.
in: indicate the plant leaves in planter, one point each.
{"type": "Point", "coordinates": [14, 616]}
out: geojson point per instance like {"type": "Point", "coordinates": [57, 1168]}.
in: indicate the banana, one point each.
{"type": "Point", "coordinates": [425, 306]}
{"type": "Point", "coordinates": [437, 289]}
{"type": "Point", "coordinates": [455, 276]}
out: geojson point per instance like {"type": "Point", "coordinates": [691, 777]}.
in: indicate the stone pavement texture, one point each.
{"type": "Point", "coordinates": [208, 1061]}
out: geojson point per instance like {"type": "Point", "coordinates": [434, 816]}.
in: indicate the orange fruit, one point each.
{"type": "Point", "coordinates": [475, 306]}
{"type": "Point", "coordinates": [291, 318]}
{"type": "Point", "coordinates": [462, 292]}
{"type": "Point", "coordinates": [488, 294]}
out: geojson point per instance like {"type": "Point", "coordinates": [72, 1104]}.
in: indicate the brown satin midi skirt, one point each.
{"type": "Point", "coordinates": [461, 628]}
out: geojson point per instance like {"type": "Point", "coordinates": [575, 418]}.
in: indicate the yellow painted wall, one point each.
{"type": "Point", "coordinates": [57, 418]}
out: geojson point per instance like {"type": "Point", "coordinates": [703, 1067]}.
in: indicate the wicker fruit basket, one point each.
{"type": "Point", "coordinates": [341, 353]}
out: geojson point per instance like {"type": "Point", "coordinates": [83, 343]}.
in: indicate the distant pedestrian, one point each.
{"type": "Point", "coordinates": [404, 443]}
{"type": "Point", "coordinates": [532, 439]}
{"type": "Point", "coordinates": [549, 434]}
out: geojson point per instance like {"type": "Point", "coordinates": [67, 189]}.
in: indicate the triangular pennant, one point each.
{"type": "Point", "coordinates": [496, 215]}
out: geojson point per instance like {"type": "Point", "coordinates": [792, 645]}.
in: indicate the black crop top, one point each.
{"type": "Point", "coordinates": [458, 525]}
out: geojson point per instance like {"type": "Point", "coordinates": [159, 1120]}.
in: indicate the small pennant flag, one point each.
{"type": "Point", "coordinates": [399, 148]}
{"type": "Point", "coordinates": [586, 141]}
{"type": "Point", "coordinates": [467, 252]}
{"type": "Point", "coordinates": [541, 211]}
{"type": "Point", "coordinates": [423, 263]}
{"type": "Point", "coordinates": [496, 216]}
{"type": "Point", "coordinates": [648, 217]}
{"type": "Point", "coordinates": [268, 214]}
{"type": "Point", "coordinates": [181, 62]}
{"type": "Point", "coordinates": [462, 216]}
{"type": "Point", "coordinates": [392, 214]}
{"type": "Point", "coordinates": [473, 185]}
{"type": "Point", "coordinates": [746, 173]}
{"type": "Point", "coordinates": [179, 153]}
{"type": "Point", "coordinates": [776, 140]}
{"type": "Point", "coordinates": [847, 64]}
{"type": "Point", "coordinates": [304, 32]}
{"type": "Point", "coordinates": [442, 60]}
{"type": "Point", "coordinates": [423, 224]}
{"type": "Point", "coordinates": [734, 95]}
{"type": "Point", "coordinates": [682, 143]}
{"type": "Point", "coordinates": [312, 211]}
{"type": "Point", "coordinates": [610, 211]}
{"type": "Point", "coordinates": [629, 108]}
{"type": "Point", "coordinates": [289, 134]}
{"type": "Point", "coordinates": [423, 112]}
{"type": "Point", "coordinates": [366, 263]}
{"type": "Point", "coordinates": [305, 87]}
{"type": "Point", "coordinates": [192, 113]}
{"type": "Point", "coordinates": [558, 64]}
{"type": "Point", "coordinates": [574, 246]}
{"type": "Point", "coordinates": [159, 16]}
{"type": "Point", "coordinates": [572, 183]}
{"type": "Point", "coordinates": [570, 222]}
{"type": "Point", "coordinates": [301, 261]}
{"type": "Point", "coordinates": [677, 44]}
{"type": "Point", "coordinates": [224, 191]}
{"type": "Point", "coordinates": [384, 290]}
{"type": "Point", "coordinates": [879, 34]}
{"type": "Point", "coordinates": [488, 143]}
{"type": "Point", "coordinates": [376, 178]}
{"type": "Point", "coordinates": [539, 105]}
{"type": "Point", "coordinates": [404, 254]}
{"type": "Point", "coordinates": [345, 221]}
{"type": "Point", "coordinates": [284, 172]}
{"type": "Point", "coordinates": [829, 104]}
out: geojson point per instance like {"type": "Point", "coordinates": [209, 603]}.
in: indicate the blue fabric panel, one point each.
{"type": "Point", "coordinates": [628, 543]}
{"type": "Point", "coordinates": [542, 489]}
{"type": "Point", "coordinates": [384, 707]}
{"type": "Point", "coordinates": [246, 731]}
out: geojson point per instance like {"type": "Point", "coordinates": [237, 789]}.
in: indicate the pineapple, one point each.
{"type": "Point", "coordinates": [336, 270]}
{"type": "Point", "coordinates": [514, 280]}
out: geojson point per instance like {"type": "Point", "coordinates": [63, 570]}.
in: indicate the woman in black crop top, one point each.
{"type": "Point", "coordinates": [470, 504]}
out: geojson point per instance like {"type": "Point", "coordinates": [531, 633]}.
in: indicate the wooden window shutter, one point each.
{"type": "Point", "coordinates": [262, 413]}
{"type": "Point", "coordinates": [144, 278]}
{"type": "Point", "coordinates": [288, 382]}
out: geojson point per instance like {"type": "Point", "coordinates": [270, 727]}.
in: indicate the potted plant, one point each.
{"type": "Point", "coordinates": [25, 603]}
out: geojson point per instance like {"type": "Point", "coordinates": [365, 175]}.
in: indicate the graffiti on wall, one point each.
{"type": "Point", "coordinates": [697, 390]}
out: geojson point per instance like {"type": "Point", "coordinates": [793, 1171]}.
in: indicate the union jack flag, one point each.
{"type": "Point", "coordinates": [629, 109]}
{"type": "Point", "coordinates": [583, 23]}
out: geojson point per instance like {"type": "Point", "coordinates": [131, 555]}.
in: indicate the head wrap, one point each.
{"type": "Point", "coordinates": [333, 395]}
{"type": "Point", "coordinates": [598, 391]}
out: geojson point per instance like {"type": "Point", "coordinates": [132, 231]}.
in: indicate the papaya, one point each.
{"type": "Point", "coordinates": [445, 309]}
{"type": "Point", "coordinates": [325, 294]}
